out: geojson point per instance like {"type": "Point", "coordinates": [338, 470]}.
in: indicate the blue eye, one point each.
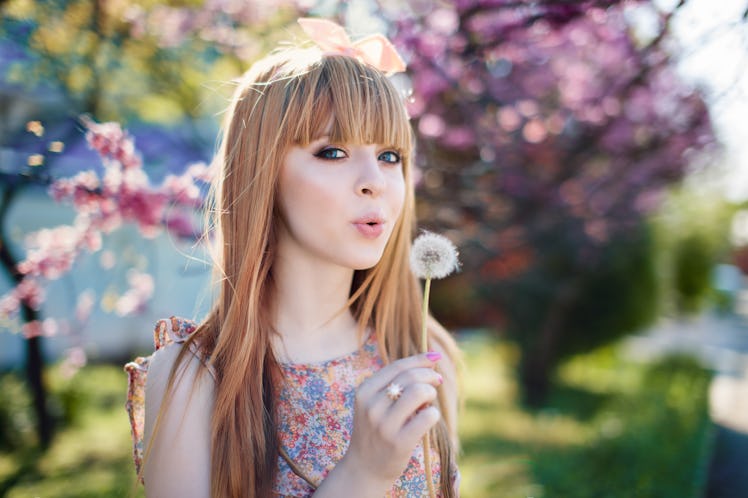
{"type": "Point", "coordinates": [390, 157]}
{"type": "Point", "coordinates": [331, 153]}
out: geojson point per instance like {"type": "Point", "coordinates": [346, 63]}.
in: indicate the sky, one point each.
{"type": "Point", "coordinates": [715, 56]}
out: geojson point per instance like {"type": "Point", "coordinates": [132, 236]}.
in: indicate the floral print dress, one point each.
{"type": "Point", "coordinates": [315, 415]}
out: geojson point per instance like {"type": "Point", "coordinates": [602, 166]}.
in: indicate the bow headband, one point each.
{"type": "Point", "coordinates": [375, 50]}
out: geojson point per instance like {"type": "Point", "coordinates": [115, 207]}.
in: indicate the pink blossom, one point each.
{"type": "Point", "coordinates": [429, 83]}
{"type": "Point", "coordinates": [597, 230]}
{"type": "Point", "coordinates": [432, 45]}
{"type": "Point", "coordinates": [135, 298]}
{"type": "Point", "coordinates": [50, 252]}
{"type": "Point", "coordinates": [91, 239]}
{"type": "Point", "coordinates": [124, 194]}
{"type": "Point", "coordinates": [84, 306]}
{"type": "Point", "coordinates": [181, 225]}
{"type": "Point", "coordinates": [416, 106]}
{"type": "Point", "coordinates": [133, 180]}
{"type": "Point", "coordinates": [32, 329]}
{"type": "Point", "coordinates": [222, 22]}
{"type": "Point", "coordinates": [144, 208]}
{"type": "Point", "coordinates": [82, 189]}
{"type": "Point", "coordinates": [107, 260]}
{"type": "Point", "coordinates": [75, 359]}
{"type": "Point", "coordinates": [9, 304]}
{"type": "Point", "coordinates": [112, 182]}
{"type": "Point", "coordinates": [127, 195]}
{"type": "Point", "coordinates": [431, 125]}
{"type": "Point", "coordinates": [171, 24]}
{"type": "Point", "coordinates": [39, 328]}
{"type": "Point", "coordinates": [443, 21]}
{"type": "Point", "coordinates": [30, 292]}
{"type": "Point", "coordinates": [110, 219]}
{"type": "Point", "coordinates": [136, 16]}
{"type": "Point", "coordinates": [202, 172]}
{"type": "Point", "coordinates": [110, 141]}
{"type": "Point", "coordinates": [459, 137]}
{"type": "Point", "coordinates": [182, 189]}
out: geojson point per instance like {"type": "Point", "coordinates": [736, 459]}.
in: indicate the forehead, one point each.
{"type": "Point", "coordinates": [346, 100]}
{"type": "Point", "coordinates": [366, 121]}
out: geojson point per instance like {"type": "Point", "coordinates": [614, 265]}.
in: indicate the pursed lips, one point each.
{"type": "Point", "coordinates": [370, 225]}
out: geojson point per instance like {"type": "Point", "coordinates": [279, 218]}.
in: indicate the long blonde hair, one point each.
{"type": "Point", "coordinates": [288, 99]}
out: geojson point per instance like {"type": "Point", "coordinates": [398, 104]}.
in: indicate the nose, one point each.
{"type": "Point", "coordinates": [370, 181]}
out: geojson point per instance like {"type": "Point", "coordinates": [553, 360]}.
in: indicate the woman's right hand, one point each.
{"type": "Point", "coordinates": [385, 431]}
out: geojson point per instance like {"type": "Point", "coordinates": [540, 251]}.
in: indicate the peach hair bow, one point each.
{"type": "Point", "coordinates": [375, 50]}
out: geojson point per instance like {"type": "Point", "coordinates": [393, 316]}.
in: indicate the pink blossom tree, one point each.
{"type": "Point", "coordinates": [548, 131]}
{"type": "Point", "coordinates": [103, 204]}
{"type": "Point", "coordinates": [115, 61]}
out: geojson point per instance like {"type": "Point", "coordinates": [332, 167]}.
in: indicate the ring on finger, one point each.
{"type": "Point", "coordinates": [394, 391]}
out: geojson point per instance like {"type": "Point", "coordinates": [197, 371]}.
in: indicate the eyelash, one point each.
{"type": "Point", "coordinates": [323, 154]}
{"type": "Point", "coordinates": [397, 160]}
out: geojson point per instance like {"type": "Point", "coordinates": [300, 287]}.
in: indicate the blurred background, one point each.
{"type": "Point", "coordinates": [589, 158]}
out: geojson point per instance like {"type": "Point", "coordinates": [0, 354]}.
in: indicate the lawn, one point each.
{"type": "Point", "coordinates": [90, 456]}
{"type": "Point", "coordinates": [612, 428]}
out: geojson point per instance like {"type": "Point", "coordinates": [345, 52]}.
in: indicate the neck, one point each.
{"type": "Point", "coordinates": [312, 320]}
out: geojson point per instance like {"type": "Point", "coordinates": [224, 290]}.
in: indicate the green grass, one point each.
{"type": "Point", "coordinates": [90, 455]}
{"type": "Point", "coordinates": [612, 428]}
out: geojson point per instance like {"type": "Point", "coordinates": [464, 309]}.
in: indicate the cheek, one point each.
{"type": "Point", "coordinates": [305, 196]}
{"type": "Point", "coordinates": [397, 197]}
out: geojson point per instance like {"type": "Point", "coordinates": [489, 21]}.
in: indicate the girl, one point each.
{"type": "Point", "coordinates": [305, 377]}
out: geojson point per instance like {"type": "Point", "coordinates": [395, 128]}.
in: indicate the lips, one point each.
{"type": "Point", "coordinates": [370, 225]}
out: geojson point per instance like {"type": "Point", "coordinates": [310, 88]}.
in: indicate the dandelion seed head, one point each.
{"type": "Point", "coordinates": [433, 256]}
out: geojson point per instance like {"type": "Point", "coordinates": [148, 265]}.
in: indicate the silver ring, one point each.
{"type": "Point", "coordinates": [394, 391]}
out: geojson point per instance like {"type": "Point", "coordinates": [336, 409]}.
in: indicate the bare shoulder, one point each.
{"type": "Point", "coordinates": [450, 367]}
{"type": "Point", "coordinates": [177, 425]}
{"type": "Point", "coordinates": [163, 361]}
{"type": "Point", "coordinates": [190, 380]}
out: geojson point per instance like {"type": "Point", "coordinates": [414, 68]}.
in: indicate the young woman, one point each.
{"type": "Point", "coordinates": [305, 378]}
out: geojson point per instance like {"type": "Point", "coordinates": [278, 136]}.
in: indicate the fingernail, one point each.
{"type": "Point", "coordinates": [440, 379]}
{"type": "Point", "coordinates": [434, 356]}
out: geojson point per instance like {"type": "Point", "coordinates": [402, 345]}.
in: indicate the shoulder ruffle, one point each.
{"type": "Point", "coordinates": [167, 331]}
{"type": "Point", "coordinates": [174, 329]}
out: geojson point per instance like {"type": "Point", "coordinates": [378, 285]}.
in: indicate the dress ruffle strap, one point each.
{"type": "Point", "coordinates": [166, 331]}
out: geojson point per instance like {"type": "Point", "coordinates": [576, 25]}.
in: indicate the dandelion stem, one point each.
{"type": "Point", "coordinates": [424, 349]}
{"type": "Point", "coordinates": [424, 315]}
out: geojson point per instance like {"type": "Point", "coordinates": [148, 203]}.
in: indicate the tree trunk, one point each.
{"type": "Point", "coordinates": [538, 360]}
{"type": "Point", "coordinates": [34, 369]}
{"type": "Point", "coordinates": [34, 360]}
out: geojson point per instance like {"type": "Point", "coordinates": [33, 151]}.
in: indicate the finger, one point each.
{"type": "Point", "coordinates": [380, 379]}
{"type": "Point", "coordinates": [417, 426]}
{"type": "Point", "coordinates": [413, 398]}
{"type": "Point", "coordinates": [379, 404]}
{"type": "Point", "coordinates": [418, 376]}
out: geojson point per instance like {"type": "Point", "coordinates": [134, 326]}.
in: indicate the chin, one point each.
{"type": "Point", "coordinates": [366, 263]}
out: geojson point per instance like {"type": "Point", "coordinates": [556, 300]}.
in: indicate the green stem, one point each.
{"type": "Point", "coordinates": [424, 315]}
{"type": "Point", "coordinates": [424, 349]}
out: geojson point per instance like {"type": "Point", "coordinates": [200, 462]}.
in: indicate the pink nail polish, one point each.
{"type": "Point", "coordinates": [434, 356]}
{"type": "Point", "coordinates": [441, 380]}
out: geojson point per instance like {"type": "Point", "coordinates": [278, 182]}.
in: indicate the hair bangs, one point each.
{"type": "Point", "coordinates": [370, 111]}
